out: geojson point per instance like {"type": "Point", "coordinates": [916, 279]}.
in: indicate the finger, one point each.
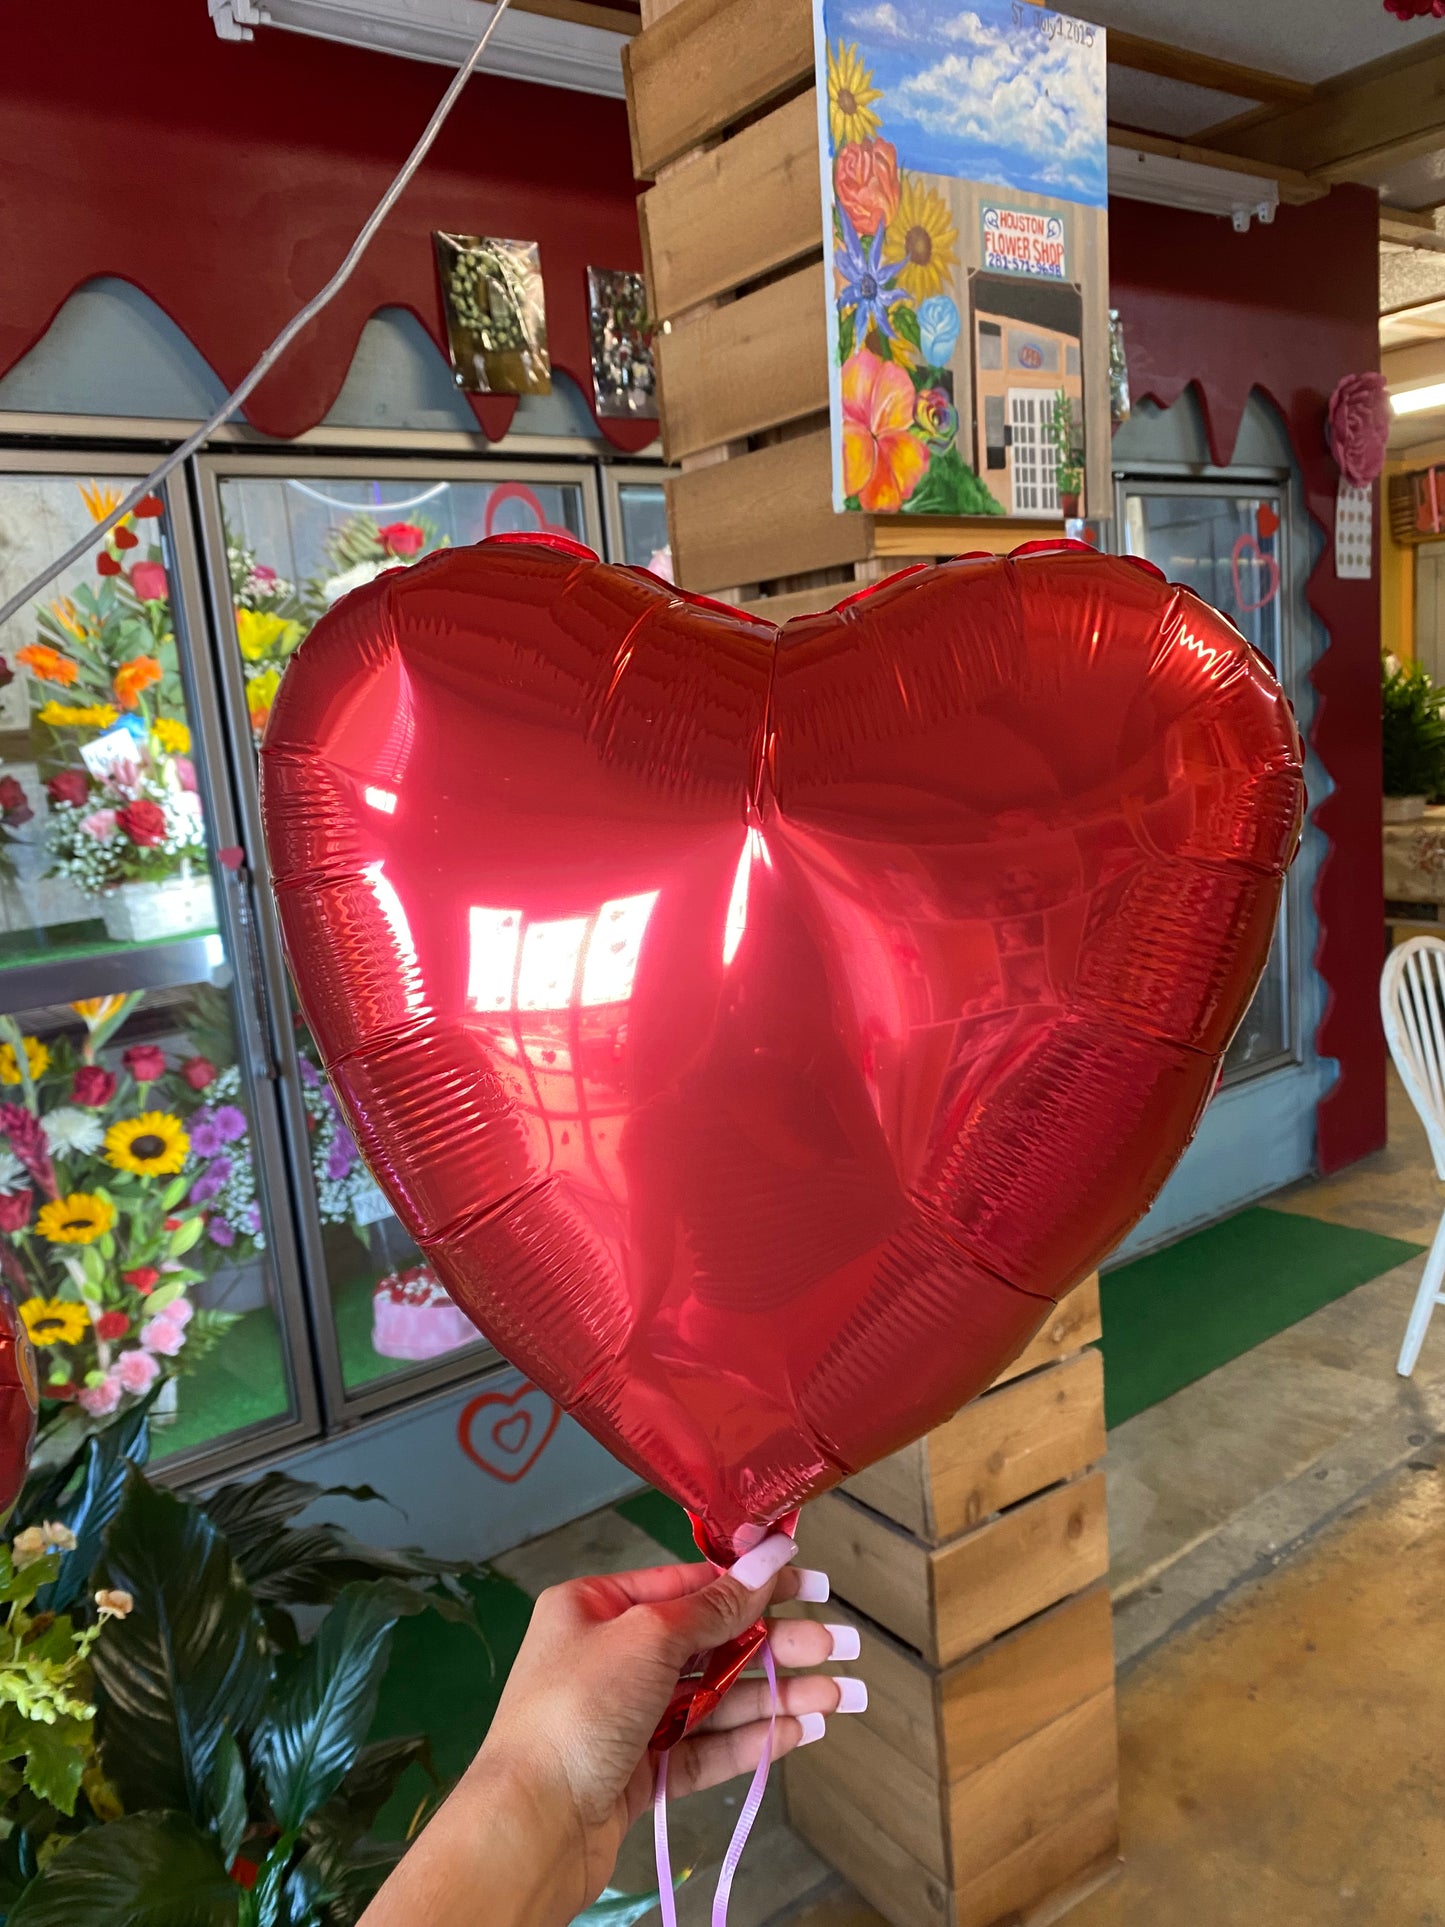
{"type": "Point", "coordinates": [751, 1700]}
{"type": "Point", "coordinates": [808, 1642]}
{"type": "Point", "coordinates": [803, 1584]}
{"type": "Point", "coordinates": [707, 1759]}
{"type": "Point", "coordinates": [653, 1585]}
{"type": "Point", "coordinates": [699, 1621]}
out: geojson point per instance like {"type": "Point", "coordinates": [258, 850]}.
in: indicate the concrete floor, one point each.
{"type": "Point", "coordinates": [1276, 1559]}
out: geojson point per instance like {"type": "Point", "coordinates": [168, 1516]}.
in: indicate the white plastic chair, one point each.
{"type": "Point", "coordinates": [1412, 1005]}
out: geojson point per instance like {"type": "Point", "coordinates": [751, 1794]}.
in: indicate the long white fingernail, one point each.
{"type": "Point", "coordinates": [814, 1727]}
{"type": "Point", "coordinates": [764, 1562]}
{"type": "Point", "coordinates": [846, 1642]}
{"type": "Point", "coordinates": [813, 1587]}
{"type": "Point", "coordinates": [852, 1693]}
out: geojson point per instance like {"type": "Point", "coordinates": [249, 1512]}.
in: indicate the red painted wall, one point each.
{"type": "Point", "coordinates": [227, 180]}
{"type": "Point", "coordinates": [1288, 309]}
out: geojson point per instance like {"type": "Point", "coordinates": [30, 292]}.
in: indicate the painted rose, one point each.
{"type": "Point", "coordinates": [145, 1062]}
{"type": "Point", "coordinates": [93, 1086]}
{"type": "Point", "coordinates": [402, 538]}
{"type": "Point", "coordinates": [938, 329]}
{"type": "Point", "coordinates": [144, 822]}
{"type": "Point", "coordinates": [867, 183]}
{"type": "Point", "coordinates": [1359, 427]}
{"type": "Point", "coordinates": [936, 416]}
{"type": "Point", "coordinates": [148, 579]}
{"type": "Point", "coordinates": [883, 460]}
{"type": "Point", "coordinates": [70, 786]}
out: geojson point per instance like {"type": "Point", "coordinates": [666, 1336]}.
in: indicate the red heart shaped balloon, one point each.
{"type": "Point", "coordinates": [758, 1030]}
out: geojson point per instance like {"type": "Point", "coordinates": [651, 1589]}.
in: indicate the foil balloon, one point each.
{"type": "Point", "coordinates": [19, 1403]}
{"type": "Point", "coordinates": [758, 1030]}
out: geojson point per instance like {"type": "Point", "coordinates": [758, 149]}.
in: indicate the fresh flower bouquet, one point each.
{"type": "Point", "coordinates": [141, 823]}
{"type": "Point", "coordinates": [361, 548]}
{"type": "Point", "coordinates": [271, 619]}
{"type": "Point", "coordinates": [122, 1185]}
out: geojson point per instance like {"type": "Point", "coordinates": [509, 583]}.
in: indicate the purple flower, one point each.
{"type": "Point", "coordinates": [310, 1076]}
{"type": "Point", "coordinates": [230, 1123]}
{"type": "Point", "coordinates": [206, 1186]}
{"type": "Point", "coordinates": [206, 1139]}
{"type": "Point", "coordinates": [221, 1232]}
{"type": "Point", "coordinates": [341, 1156]}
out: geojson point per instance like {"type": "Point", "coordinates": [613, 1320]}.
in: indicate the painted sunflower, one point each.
{"type": "Point", "coordinates": [54, 1321]}
{"type": "Point", "coordinates": [922, 238]}
{"type": "Point", "coordinates": [851, 94]}
{"type": "Point", "coordinates": [153, 1145]}
{"type": "Point", "coordinates": [37, 1058]}
{"type": "Point", "coordinates": [77, 1220]}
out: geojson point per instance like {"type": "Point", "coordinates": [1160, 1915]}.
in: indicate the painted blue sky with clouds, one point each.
{"type": "Point", "coordinates": [993, 90]}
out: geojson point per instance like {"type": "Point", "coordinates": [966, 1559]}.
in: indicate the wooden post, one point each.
{"type": "Point", "coordinates": [981, 1785]}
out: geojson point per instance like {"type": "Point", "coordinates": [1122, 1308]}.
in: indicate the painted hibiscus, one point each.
{"type": "Point", "coordinates": [867, 183]}
{"type": "Point", "coordinates": [883, 461]}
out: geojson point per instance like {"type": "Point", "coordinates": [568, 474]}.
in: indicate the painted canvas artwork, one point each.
{"type": "Point", "coordinates": [964, 194]}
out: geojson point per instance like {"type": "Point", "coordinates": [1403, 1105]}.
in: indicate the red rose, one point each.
{"type": "Point", "coordinates": [143, 1279]}
{"type": "Point", "coordinates": [866, 180]}
{"type": "Point", "coordinates": [70, 786]}
{"type": "Point", "coordinates": [148, 579]}
{"type": "Point", "coordinates": [145, 1062]}
{"type": "Point", "coordinates": [402, 538]}
{"type": "Point", "coordinates": [14, 804]}
{"type": "Point", "coordinates": [112, 1324]}
{"type": "Point", "coordinates": [14, 1210]}
{"type": "Point", "coordinates": [144, 823]}
{"type": "Point", "coordinates": [93, 1086]}
{"type": "Point", "coordinates": [198, 1072]}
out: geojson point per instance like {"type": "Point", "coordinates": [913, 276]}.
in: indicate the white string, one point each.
{"type": "Point", "coordinates": [78, 550]}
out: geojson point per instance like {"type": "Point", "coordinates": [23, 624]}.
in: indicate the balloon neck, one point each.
{"type": "Point", "coordinates": [721, 1549]}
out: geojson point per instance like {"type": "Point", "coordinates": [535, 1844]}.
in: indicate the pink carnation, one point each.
{"type": "Point", "coordinates": [1359, 427]}
{"type": "Point", "coordinates": [137, 1371]}
{"type": "Point", "coordinates": [101, 1400]}
{"type": "Point", "coordinates": [164, 1335]}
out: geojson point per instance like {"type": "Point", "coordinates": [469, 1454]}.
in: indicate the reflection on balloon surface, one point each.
{"type": "Point", "coordinates": [759, 1030]}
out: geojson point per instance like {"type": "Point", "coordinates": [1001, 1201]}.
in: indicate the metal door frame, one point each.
{"type": "Point", "coordinates": [233, 902]}
{"type": "Point", "coordinates": [615, 477]}
{"type": "Point", "coordinates": [342, 1409]}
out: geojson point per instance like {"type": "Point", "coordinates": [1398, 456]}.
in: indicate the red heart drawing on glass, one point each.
{"type": "Point", "coordinates": [1247, 554]}
{"type": "Point", "coordinates": [1266, 521]}
{"type": "Point", "coordinates": [758, 1030]}
{"type": "Point", "coordinates": [505, 1432]}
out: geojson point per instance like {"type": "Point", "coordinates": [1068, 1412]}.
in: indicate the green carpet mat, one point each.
{"type": "Point", "coordinates": [666, 1522]}
{"type": "Point", "coordinates": [1182, 1312]}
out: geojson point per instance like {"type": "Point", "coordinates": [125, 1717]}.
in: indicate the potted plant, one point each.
{"type": "Point", "coordinates": [1068, 472]}
{"type": "Point", "coordinates": [1412, 739]}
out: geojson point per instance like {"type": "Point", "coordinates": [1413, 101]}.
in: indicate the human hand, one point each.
{"type": "Point", "coordinates": [565, 1769]}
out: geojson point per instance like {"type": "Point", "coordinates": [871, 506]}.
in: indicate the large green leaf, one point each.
{"type": "Point", "coordinates": [49, 1486]}
{"type": "Point", "coordinates": [224, 1797]}
{"type": "Point", "coordinates": [612, 1909]}
{"type": "Point", "coordinates": [55, 1760]}
{"type": "Point", "coordinates": [94, 1501]}
{"type": "Point", "coordinates": [321, 1712]}
{"type": "Point", "coordinates": [189, 1661]}
{"type": "Point", "coordinates": [370, 1783]}
{"type": "Point", "coordinates": [147, 1870]}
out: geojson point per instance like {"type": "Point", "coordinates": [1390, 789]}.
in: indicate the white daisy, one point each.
{"type": "Point", "coordinates": [12, 1172]}
{"type": "Point", "coordinates": [70, 1131]}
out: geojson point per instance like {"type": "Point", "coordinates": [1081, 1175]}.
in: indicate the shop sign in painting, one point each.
{"type": "Point", "coordinates": [965, 168]}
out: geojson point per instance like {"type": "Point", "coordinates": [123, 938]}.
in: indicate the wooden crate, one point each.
{"type": "Point", "coordinates": [724, 118]}
{"type": "Point", "coordinates": [981, 1784]}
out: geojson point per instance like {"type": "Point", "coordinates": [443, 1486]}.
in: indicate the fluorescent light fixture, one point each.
{"type": "Point", "coordinates": [1137, 175]}
{"type": "Point", "coordinates": [1413, 401]}
{"type": "Point", "coordinates": [526, 46]}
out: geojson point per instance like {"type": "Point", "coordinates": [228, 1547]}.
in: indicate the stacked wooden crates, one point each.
{"type": "Point", "coordinates": [724, 118]}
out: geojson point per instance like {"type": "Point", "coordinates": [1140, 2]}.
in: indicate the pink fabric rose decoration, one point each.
{"type": "Point", "coordinates": [137, 1371]}
{"type": "Point", "coordinates": [1359, 427]}
{"type": "Point", "coordinates": [101, 1400]}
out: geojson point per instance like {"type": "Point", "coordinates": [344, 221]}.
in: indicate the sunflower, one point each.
{"type": "Point", "coordinates": [48, 664]}
{"type": "Point", "coordinates": [77, 716]}
{"type": "Point", "coordinates": [851, 94]}
{"type": "Point", "coordinates": [171, 735]}
{"type": "Point", "coordinates": [153, 1145]}
{"type": "Point", "coordinates": [922, 236]}
{"type": "Point", "coordinates": [134, 676]}
{"type": "Point", "coordinates": [37, 1058]}
{"type": "Point", "coordinates": [77, 1220]}
{"type": "Point", "coordinates": [54, 1321]}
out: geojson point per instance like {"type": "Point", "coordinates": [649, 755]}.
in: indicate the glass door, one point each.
{"type": "Point", "coordinates": [637, 531]}
{"type": "Point", "coordinates": [284, 540]}
{"type": "Point", "coordinates": [144, 1224]}
{"type": "Point", "coordinates": [1227, 542]}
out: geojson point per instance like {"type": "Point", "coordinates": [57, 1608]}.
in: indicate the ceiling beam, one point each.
{"type": "Point", "coordinates": [1203, 70]}
{"type": "Point", "coordinates": [1408, 227]}
{"type": "Point", "coordinates": [1391, 109]}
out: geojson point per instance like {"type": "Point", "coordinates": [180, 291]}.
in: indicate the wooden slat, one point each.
{"type": "Point", "coordinates": [899, 1886]}
{"type": "Point", "coordinates": [900, 1795]}
{"type": "Point", "coordinates": [940, 536]}
{"type": "Point", "coordinates": [745, 366]}
{"type": "Point", "coordinates": [582, 13]}
{"type": "Point", "coordinates": [996, 1698]}
{"type": "Point", "coordinates": [766, 514]}
{"type": "Point", "coordinates": [898, 1487]}
{"type": "Point", "coordinates": [1032, 1788]}
{"type": "Point", "coordinates": [801, 602]}
{"type": "Point", "coordinates": [736, 212]}
{"type": "Point", "coordinates": [708, 64]}
{"type": "Point", "coordinates": [1014, 1442]}
{"type": "Point", "coordinates": [1046, 1878]}
{"type": "Point", "coordinates": [1392, 107]}
{"type": "Point", "coordinates": [1143, 56]}
{"type": "Point", "coordinates": [873, 1565]}
{"type": "Point", "coordinates": [1074, 1323]}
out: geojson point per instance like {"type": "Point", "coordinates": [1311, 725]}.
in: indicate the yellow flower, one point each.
{"type": "Point", "coordinates": [37, 1057]}
{"type": "Point", "coordinates": [154, 1145]}
{"type": "Point", "coordinates": [68, 616]}
{"type": "Point", "coordinates": [261, 693]}
{"type": "Point", "coordinates": [851, 94]}
{"type": "Point", "coordinates": [54, 1321]}
{"type": "Point", "coordinates": [922, 236]}
{"type": "Point", "coordinates": [100, 498]}
{"type": "Point", "coordinates": [262, 633]}
{"type": "Point", "coordinates": [171, 735]}
{"type": "Point", "coordinates": [78, 715]}
{"type": "Point", "coordinates": [95, 1010]}
{"type": "Point", "coordinates": [77, 1220]}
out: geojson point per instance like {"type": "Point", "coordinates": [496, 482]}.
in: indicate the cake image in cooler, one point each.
{"type": "Point", "coordinates": [412, 1316]}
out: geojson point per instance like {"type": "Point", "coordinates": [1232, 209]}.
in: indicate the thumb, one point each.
{"type": "Point", "coordinates": [728, 1606]}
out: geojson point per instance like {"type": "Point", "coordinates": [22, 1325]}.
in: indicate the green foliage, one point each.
{"type": "Point", "coordinates": [906, 322]}
{"type": "Point", "coordinates": [612, 1909]}
{"type": "Point", "coordinates": [951, 488]}
{"type": "Point", "coordinates": [1413, 731]}
{"type": "Point", "coordinates": [155, 1868]}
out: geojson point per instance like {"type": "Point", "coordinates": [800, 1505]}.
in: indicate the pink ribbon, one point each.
{"type": "Point", "coordinates": [741, 1831]}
